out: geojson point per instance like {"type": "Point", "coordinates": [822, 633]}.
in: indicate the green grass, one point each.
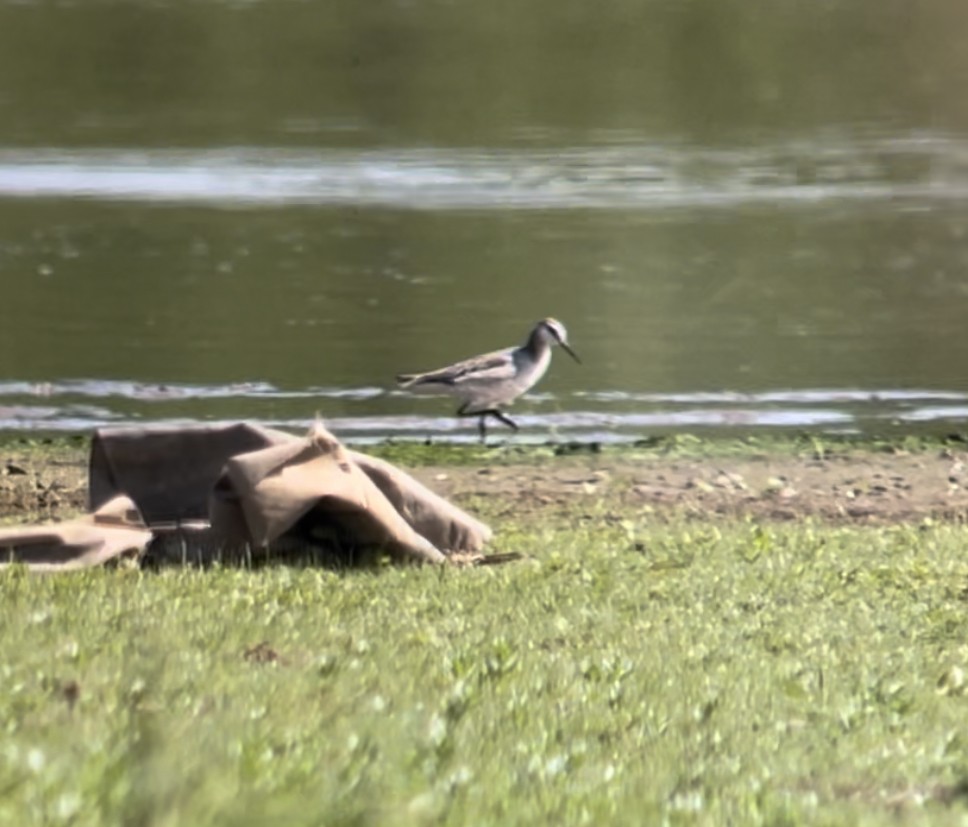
{"type": "Point", "coordinates": [733, 443]}
{"type": "Point", "coordinates": [628, 672]}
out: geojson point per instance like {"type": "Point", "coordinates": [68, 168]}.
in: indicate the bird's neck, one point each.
{"type": "Point", "coordinates": [537, 344]}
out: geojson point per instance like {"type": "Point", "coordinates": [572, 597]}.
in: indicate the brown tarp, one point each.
{"type": "Point", "coordinates": [226, 488]}
{"type": "Point", "coordinates": [114, 530]}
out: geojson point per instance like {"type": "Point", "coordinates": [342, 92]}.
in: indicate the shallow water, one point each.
{"type": "Point", "coordinates": [747, 216]}
{"type": "Point", "coordinates": [605, 417]}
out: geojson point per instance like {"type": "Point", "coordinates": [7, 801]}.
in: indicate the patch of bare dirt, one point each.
{"type": "Point", "coordinates": [40, 485]}
{"type": "Point", "coordinates": [853, 486]}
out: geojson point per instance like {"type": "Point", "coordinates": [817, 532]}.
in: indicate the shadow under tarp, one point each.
{"type": "Point", "coordinates": [202, 493]}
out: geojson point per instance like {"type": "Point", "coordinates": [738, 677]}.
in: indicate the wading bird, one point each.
{"type": "Point", "coordinates": [485, 383]}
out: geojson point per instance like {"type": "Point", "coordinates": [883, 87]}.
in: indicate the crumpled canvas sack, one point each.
{"type": "Point", "coordinates": [263, 494]}
{"type": "Point", "coordinates": [114, 530]}
{"type": "Point", "coordinates": [254, 485]}
{"type": "Point", "coordinates": [222, 488]}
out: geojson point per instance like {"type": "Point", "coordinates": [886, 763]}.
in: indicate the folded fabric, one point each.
{"type": "Point", "coordinates": [276, 487]}
{"type": "Point", "coordinates": [115, 530]}
{"type": "Point", "coordinates": [217, 490]}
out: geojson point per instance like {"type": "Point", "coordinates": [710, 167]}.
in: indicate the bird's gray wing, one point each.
{"type": "Point", "coordinates": [491, 367]}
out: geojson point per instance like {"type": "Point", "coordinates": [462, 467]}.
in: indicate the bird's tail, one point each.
{"type": "Point", "coordinates": [404, 380]}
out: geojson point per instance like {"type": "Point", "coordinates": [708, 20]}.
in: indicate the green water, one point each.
{"type": "Point", "coordinates": [262, 210]}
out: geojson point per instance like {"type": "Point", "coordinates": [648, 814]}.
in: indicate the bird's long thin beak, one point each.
{"type": "Point", "coordinates": [570, 352]}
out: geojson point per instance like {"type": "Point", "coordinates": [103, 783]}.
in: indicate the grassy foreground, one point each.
{"type": "Point", "coordinates": [636, 668]}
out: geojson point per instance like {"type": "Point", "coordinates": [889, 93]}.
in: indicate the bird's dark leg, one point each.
{"type": "Point", "coordinates": [482, 422]}
{"type": "Point", "coordinates": [481, 427]}
{"type": "Point", "coordinates": [499, 415]}
{"type": "Point", "coordinates": [504, 418]}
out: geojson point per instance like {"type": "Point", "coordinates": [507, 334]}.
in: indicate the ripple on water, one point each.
{"type": "Point", "coordinates": [606, 176]}
{"type": "Point", "coordinates": [375, 414]}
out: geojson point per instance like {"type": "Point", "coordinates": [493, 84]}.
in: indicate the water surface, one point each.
{"type": "Point", "coordinates": [747, 214]}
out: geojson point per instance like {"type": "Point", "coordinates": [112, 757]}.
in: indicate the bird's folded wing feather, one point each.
{"type": "Point", "coordinates": [494, 367]}
{"type": "Point", "coordinates": [491, 367]}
